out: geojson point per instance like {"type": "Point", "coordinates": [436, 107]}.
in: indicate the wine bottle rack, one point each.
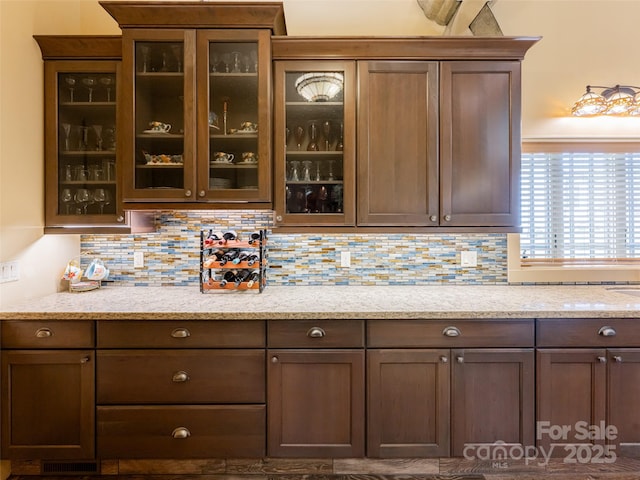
{"type": "Point", "coordinates": [233, 264]}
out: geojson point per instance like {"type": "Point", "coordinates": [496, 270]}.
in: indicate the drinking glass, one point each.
{"type": "Point", "coordinates": [145, 49]}
{"type": "Point", "coordinates": [326, 131]}
{"type": "Point", "coordinates": [66, 129]}
{"type": "Point", "coordinates": [82, 198]}
{"type": "Point", "coordinates": [313, 137]}
{"type": "Point", "coordinates": [90, 82]}
{"type": "Point", "coordinates": [177, 52]}
{"type": "Point", "coordinates": [306, 171]}
{"type": "Point", "coordinates": [100, 197]}
{"type": "Point", "coordinates": [107, 82]}
{"type": "Point", "coordinates": [298, 133]}
{"type": "Point", "coordinates": [72, 83]}
{"type": "Point", "coordinates": [236, 62]}
{"type": "Point", "coordinates": [66, 198]}
{"type": "Point", "coordinates": [330, 175]}
{"type": "Point", "coordinates": [295, 175]}
{"type": "Point", "coordinates": [98, 131]}
{"type": "Point", "coordinates": [340, 145]}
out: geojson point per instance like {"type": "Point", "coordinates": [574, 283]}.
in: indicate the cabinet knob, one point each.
{"type": "Point", "coordinates": [120, 218]}
{"type": "Point", "coordinates": [447, 218]}
{"type": "Point", "coordinates": [187, 193]}
{"type": "Point", "coordinates": [85, 359]}
{"type": "Point", "coordinates": [451, 332]}
{"type": "Point", "coordinates": [316, 332]}
{"type": "Point", "coordinates": [44, 333]}
{"type": "Point", "coordinates": [433, 218]}
{"type": "Point", "coordinates": [460, 359]}
{"type": "Point", "coordinates": [180, 377]}
{"type": "Point", "coordinates": [444, 359]}
{"type": "Point", "coordinates": [274, 359]}
{"type": "Point", "coordinates": [278, 218]}
{"type": "Point", "coordinates": [602, 359]}
{"type": "Point", "coordinates": [607, 331]}
{"type": "Point", "coordinates": [181, 432]}
{"type": "Point", "coordinates": [181, 333]}
{"type": "Point", "coordinates": [201, 193]}
{"type": "Point", "coordinates": [617, 358]}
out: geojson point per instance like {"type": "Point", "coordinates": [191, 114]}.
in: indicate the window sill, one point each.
{"type": "Point", "coordinates": [565, 274]}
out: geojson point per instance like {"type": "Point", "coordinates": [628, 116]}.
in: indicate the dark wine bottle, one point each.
{"type": "Point", "coordinates": [229, 276]}
{"type": "Point", "coordinates": [228, 235]}
{"type": "Point", "coordinates": [243, 256]}
{"type": "Point", "coordinates": [253, 277]}
{"type": "Point", "coordinates": [255, 237]}
{"type": "Point", "coordinates": [242, 276]}
{"type": "Point", "coordinates": [229, 256]}
{"type": "Point", "coordinates": [252, 259]}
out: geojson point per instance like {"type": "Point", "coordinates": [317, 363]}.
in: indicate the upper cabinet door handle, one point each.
{"type": "Point", "coordinates": [607, 331]}
{"type": "Point", "coordinates": [451, 332]}
{"type": "Point", "coordinates": [44, 333]}
{"type": "Point", "coordinates": [181, 333]}
{"type": "Point", "coordinates": [316, 332]}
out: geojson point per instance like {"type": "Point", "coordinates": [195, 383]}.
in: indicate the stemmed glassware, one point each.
{"type": "Point", "coordinates": [100, 197]}
{"type": "Point", "coordinates": [66, 198]}
{"type": "Point", "coordinates": [82, 198]}
{"type": "Point", "coordinates": [107, 82]}
{"type": "Point", "coordinates": [295, 175]}
{"type": "Point", "coordinates": [330, 175]}
{"type": "Point", "coordinates": [145, 49]}
{"type": "Point", "coordinates": [177, 52]}
{"type": "Point", "coordinates": [71, 82]}
{"type": "Point", "coordinates": [326, 131]}
{"type": "Point", "coordinates": [66, 129]}
{"type": "Point", "coordinates": [98, 131]}
{"type": "Point", "coordinates": [89, 82]}
{"type": "Point", "coordinates": [298, 133]}
{"type": "Point", "coordinates": [306, 170]}
{"type": "Point", "coordinates": [313, 137]}
{"type": "Point", "coordinates": [340, 145]}
{"type": "Point", "coordinates": [236, 62]}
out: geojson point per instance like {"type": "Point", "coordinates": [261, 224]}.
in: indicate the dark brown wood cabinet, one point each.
{"type": "Point", "coordinates": [445, 398]}
{"type": "Point", "coordinates": [589, 377]}
{"type": "Point", "coordinates": [316, 394]}
{"type": "Point", "coordinates": [48, 390]}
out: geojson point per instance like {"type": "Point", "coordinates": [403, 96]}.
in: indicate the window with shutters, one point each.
{"type": "Point", "coordinates": [580, 209]}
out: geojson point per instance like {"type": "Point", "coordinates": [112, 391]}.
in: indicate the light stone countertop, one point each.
{"type": "Point", "coordinates": [340, 302]}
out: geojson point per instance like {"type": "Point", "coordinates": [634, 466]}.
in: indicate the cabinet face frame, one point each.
{"type": "Point", "coordinates": [404, 154]}
{"type": "Point", "coordinates": [493, 160]}
{"type": "Point", "coordinates": [53, 148]}
{"type": "Point", "coordinates": [77, 366]}
{"type": "Point", "coordinates": [281, 69]}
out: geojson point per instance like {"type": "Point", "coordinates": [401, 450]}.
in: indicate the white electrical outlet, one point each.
{"type": "Point", "coordinates": [469, 258]}
{"type": "Point", "coordinates": [138, 259]}
{"type": "Point", "coordinates": [345, 259]}
{"type": "Point", "coordinates": [9, 272]}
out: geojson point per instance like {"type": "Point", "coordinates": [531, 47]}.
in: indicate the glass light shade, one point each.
{"type": "Point", "coordinates": [619, 103]}
{"type": "Point", "coordinates": [635, 108]}
{"type": "Point", "coordinates": [319, 86]}
{"type": "Point", "coordinates": [589, 104]}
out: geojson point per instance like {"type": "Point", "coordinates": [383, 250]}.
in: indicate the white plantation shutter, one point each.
{"type": "Point", "coordinates": [580, 207]}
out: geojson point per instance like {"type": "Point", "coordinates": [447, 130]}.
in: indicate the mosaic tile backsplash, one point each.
{"type": "Point", "coordinates": [172, 255]}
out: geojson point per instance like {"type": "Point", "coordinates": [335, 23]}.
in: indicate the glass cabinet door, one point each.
{"type": "Point", "coordinates": [234, 115]}
{"type": "Point", "coordinates": [159, 122]}
{"type": "Point", "coordinates": [315, 143]}
{"type": "Point", "coordinates": [81, 154]}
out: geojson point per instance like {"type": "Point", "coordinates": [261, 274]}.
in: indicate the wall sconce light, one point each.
{"type": "Point", "coordinates": [621, 100]}
{"type": "Point", "coordinates": [320, 86]}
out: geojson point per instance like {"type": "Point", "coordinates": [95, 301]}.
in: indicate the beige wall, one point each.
{"type": "Point", "coordinates": [579, 46]}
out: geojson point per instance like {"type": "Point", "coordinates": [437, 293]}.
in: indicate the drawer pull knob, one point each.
{"type": "Point", "coordinates": [607, 331]}
{"type": "Point", "coordinates": [274, 359]}
{"type": "Point", "coordinates": [85, 359]}
{"type": "Point", "coordinates": [181, 432]}
{"type": "Point", "coordinates": [602, 360]}
{"type": "Point", "coordinates": [316, 332]}
{"type": "Point", "coordinates": [451, 332]}
{"type": "Point", "coordinates": [460, 359]}
{"type": "Point", "coordinates": [180, 376]}
{"type": "Point", "coordinates": [181, 333]}
{"type": "Point", "coordinates": [44, 333]}
{"type": "Point", "coordinates": [617, 358]}
{"type": "Point", "coordinates": [444, 359]}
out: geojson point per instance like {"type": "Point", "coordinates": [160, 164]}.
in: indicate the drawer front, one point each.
{"type": "Point", "coordinates": [180, 376]}
{"type": "Point", "coordinates": [181, 334]}
{"type": "Point", "coordinates": [194, 431]}
{"type": "Point", "coordinates": [47, 334]}
{"type": "Point", "coordinates": [450, 333]}
{"type": "Point", "coordinates": [588, 332]}
{"type": "Point", "coordinates": [316, 333]}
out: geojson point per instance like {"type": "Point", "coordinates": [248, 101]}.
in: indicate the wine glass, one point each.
{"type": "Point", "coordinates": [313, 137]}
{"type": "Point", "coordinates": [287, 136]}
{"type": "Point", "coordinates": [236, 62]}
{"type": "Point", "coordinates": [295, 176]}
{"type": "Point", "coordinates": [71, 82]}
{"type": "Point", "coordinates": [66, 129]}
{"type": "Point", "coordinates": [215, 60]}
{"type": "Point", "coordinates": [66, 198]}
{"type": "Point", "coordinates": [177, 52]}
{"type": "Point", "coordinates": [298, 133]}
{"type": "Point", "coordinates": [82, 198]}
{"type": "Point", "coordinates": [107, 82]}
{"type": "Point", "coordinates": [226, 59]}
{"type": "Point", "coordinates": [330, 175]}
{"type": "Point", "coordinates": [326, 131]}
{"type": "Point", "coordinates": [317, 178]}
{"type": "Point", "coordinates": [340, 145]}
{"type": "Point", "coordinates": [90, 82]}
{"type": "Point", "coordinates": [306, 170]}
{"type": "Point", "coordinates": [98, 131]}
{"type": "Point", "coordinates": [100, 197]}
{"type": "Point", "coordinates": [145, 49]}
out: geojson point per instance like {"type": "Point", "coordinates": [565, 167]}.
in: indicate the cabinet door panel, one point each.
{"type": "Point", "coordinates": [623, 395]}
{"type": "Point", "coordinates": [316, 403]}
{"type": "Point", "coordinates": [48, 404]}
{"type": "Point", "coordinates": [571, 388]}
{"type": "Point", "coordinates": [397, 143]}
{"type": "Point", "coordinates": [480, 143]}
{"type": "Point", "coordinates": [408, 403]}
{"type": "Point", "coordinates": [492, 397]}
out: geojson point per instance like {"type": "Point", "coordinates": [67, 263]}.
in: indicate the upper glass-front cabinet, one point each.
{"type": "Point", "coordinates": [200, 123]}
{"type": "Point", "coordinates": [314, 143]}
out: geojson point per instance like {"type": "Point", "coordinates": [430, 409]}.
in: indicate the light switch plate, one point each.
{"type": "Point", "coordinates": [138, 259]}
{"type": "Point", "coordinates": [345, 259]}
{"type": "Point", "coordinates": [468, 258]}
